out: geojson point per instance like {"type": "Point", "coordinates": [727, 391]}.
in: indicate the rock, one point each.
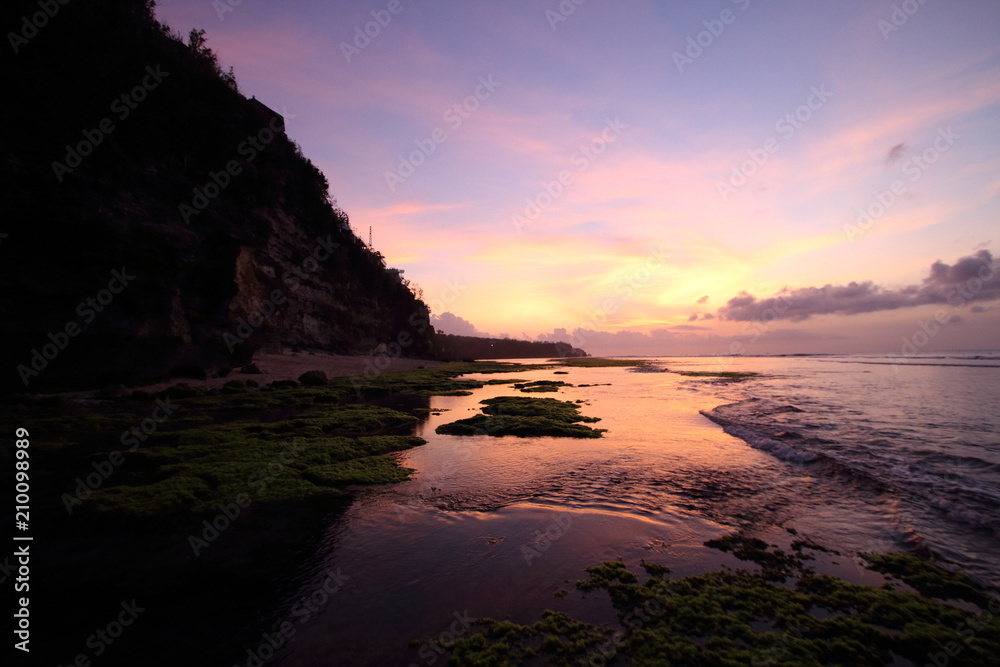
{"type": "Point", "coordinates": [56, 401]}
{"type": "Point", "coordinates": [313, 378]}
{"type": "Point", "coordinates": [283, 384]}
{"type": "Point", "coordinates": [251, 369]}
{"type": "Point", "coordinates": [181, 390]}
{"type": "Point", "coordinates": [192, 371]}
{"type": "Point", "coordinates": [234, 387]}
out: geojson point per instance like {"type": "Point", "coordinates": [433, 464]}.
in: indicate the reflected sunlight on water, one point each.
{"type": "Point", "coordinates": [497, 526]}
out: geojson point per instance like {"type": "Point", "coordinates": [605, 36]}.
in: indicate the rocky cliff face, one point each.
{"type": "Point", "coordinates": [157, 222]}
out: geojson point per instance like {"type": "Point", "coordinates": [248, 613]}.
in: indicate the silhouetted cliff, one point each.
{"type": "Point", "coordinates": [156, 221]}
{"type": "Point", "coordinates": [470, 347]}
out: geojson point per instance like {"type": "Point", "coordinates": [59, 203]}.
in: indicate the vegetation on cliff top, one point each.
{"type": "Point", "coordinates": [450, 346]}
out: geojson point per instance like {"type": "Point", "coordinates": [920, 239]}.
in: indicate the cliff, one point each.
{"type": "Point", "coordinates": [156, 222]}
{"type": "Point", "coordinates": [473, 347]}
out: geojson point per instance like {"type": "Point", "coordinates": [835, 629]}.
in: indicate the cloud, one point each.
{"type": "Point", "coordinates": [971, 278]}
{"type": "Point", "coordinates": [703, 299]}
{"type": "Point", "coordinates": [895, 153]}
{"type": "Point", "coordinates": [450, 323]}
{"type": "Point", "coordinates": [688, 327]}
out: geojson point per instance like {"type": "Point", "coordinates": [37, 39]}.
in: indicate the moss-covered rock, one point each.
{"type": "Point", "coordinates": [598, 362]}
{"type": "Point", "coordinates": [541, 386]}
{"type": "Point", "coordinates": [743, 618]}
{"type": "Point", "coordinates": [926, 577]}
{"type": "Point", "coordinates": [727, 375]}
{"type": "Point", "coordinates": [522, 427]}
{"type": "Point", "coordinates": [525, 417]}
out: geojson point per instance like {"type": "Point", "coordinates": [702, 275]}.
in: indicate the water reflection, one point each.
{"type": "Point", "coordinates": [503, 527]}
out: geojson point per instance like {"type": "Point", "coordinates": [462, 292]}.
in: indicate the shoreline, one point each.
{"type": "Point", "coordinates": [227, 558]}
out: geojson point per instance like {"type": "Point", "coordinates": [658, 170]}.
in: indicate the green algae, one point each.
{"type": "Point", "coordinates": [926, 577]}
{"type": "Point", "coordinates": [430, 381]}
{"type": "Point", "coordinates": [610, 575]}
{"type": "Point", "coordinates": [598, 362]}
{"type": "Point", "coordinates": [541, 386]}
{"type": "Point", "coordinates": [522, 427]}
{"type": "Point", "coordinates": [219, 444]}
{"type": "Point", "coordinates": [775, 565]}
{"type": "Point", "coordinates": [525, 406]}
{"type": "Point", "coordinates": [556, 639]}
{"type": "Point", "coordinates": [524, 417]}
{"type": "Point", "coordinates": [742, 618]}
{"type": "Point", "coordinates": [367, 470]}
{"type": "Point", "coordinates": [195, 470]}
{"type": "Point", "coordinates": [728, 375]}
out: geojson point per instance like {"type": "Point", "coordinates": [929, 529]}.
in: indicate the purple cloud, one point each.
{"type": "Point", "coordinates": [895, 153]}
{"type": "Point", "coordinates": [971, 278]}
{"type": "Point", "coordinates": [450, 323]}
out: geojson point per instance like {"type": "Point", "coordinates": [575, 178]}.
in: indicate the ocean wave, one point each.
{"type": "Point", "coordinates": [740, 420]}
{"type": "Point", "coordinates": [912, 361]}
{"type": "Point", "coordinates": [756, 421]}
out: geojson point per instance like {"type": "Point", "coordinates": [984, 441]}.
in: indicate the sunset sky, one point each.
{"type": "Point", "coordinates": [648, 177]}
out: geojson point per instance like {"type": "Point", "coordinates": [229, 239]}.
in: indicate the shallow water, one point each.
{"type": "Point", "coordinates": [874, 457]}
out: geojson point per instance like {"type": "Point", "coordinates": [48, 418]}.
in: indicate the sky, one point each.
{"type": "Point", "coordinates": [641, 177]}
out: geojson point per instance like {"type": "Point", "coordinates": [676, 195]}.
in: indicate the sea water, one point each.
{"type": "Point", "coordinates": [857, 453]}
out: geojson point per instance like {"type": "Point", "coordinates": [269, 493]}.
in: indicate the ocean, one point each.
{"type": "Point", "coordinates": [861, 453]}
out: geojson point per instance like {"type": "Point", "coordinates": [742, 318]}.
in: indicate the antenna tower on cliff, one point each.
{"type": "Point", "coordinates": [370, 246]}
